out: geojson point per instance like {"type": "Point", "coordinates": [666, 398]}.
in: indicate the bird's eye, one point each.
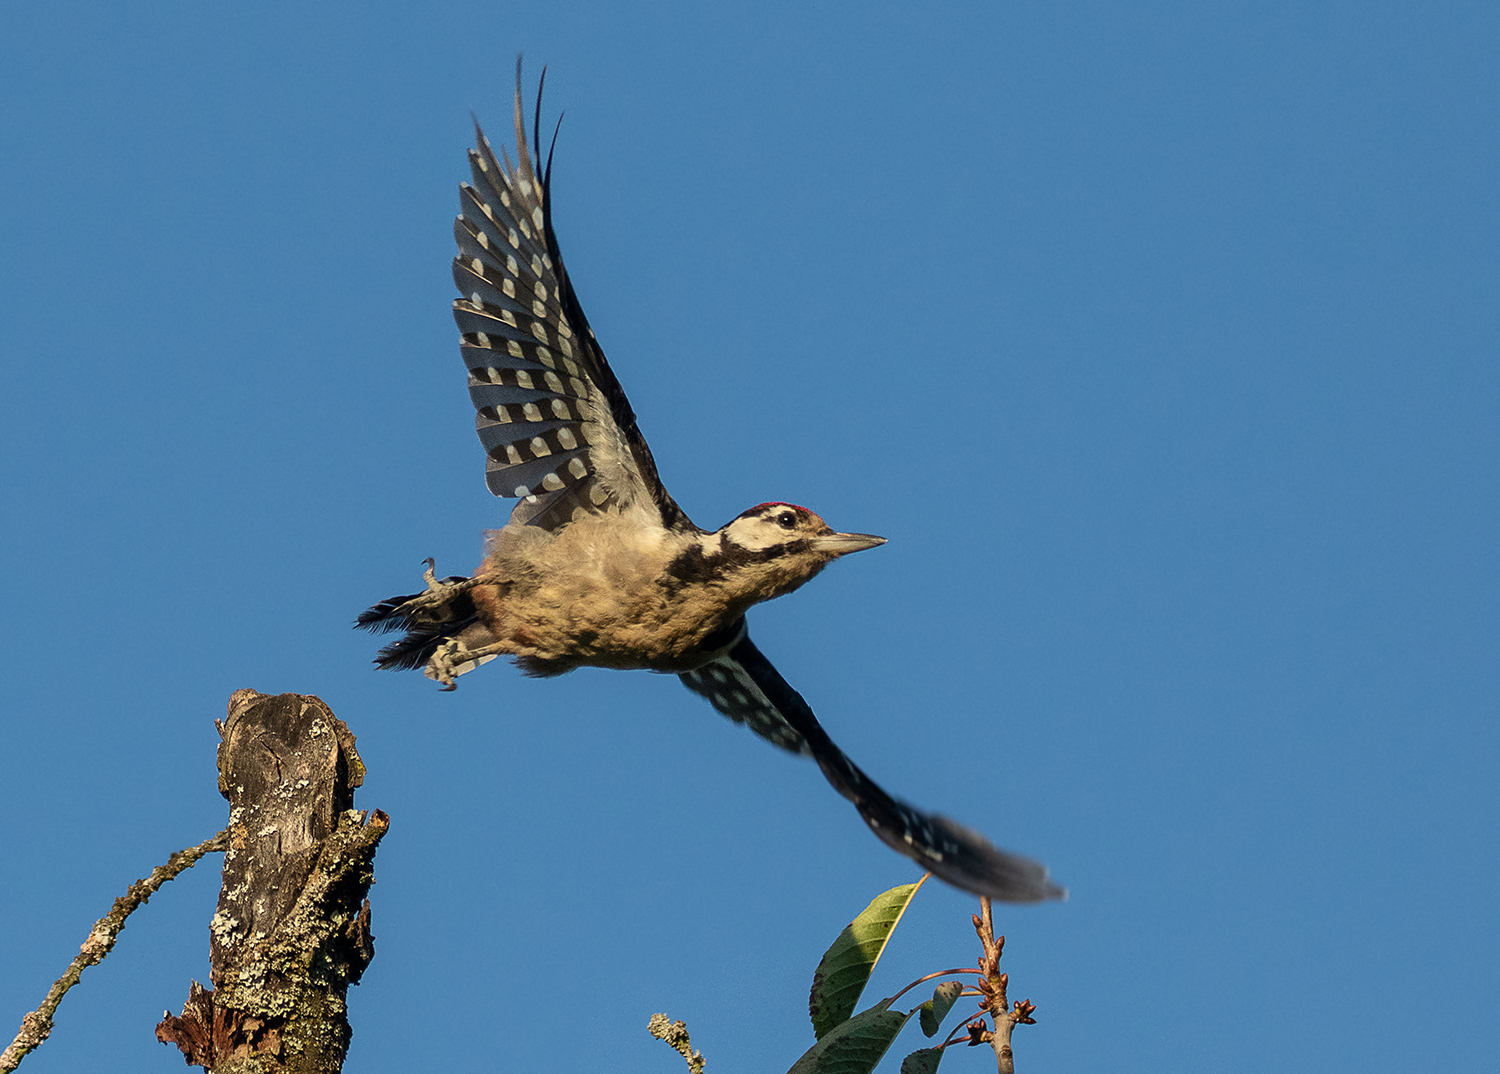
{"type": "Point", "coordinates": [787, 520]}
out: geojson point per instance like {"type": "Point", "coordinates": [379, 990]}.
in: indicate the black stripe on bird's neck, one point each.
{"type": "Point", "coordinates": [696, 566]}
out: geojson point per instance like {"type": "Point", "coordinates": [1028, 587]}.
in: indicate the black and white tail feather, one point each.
{"type": "Point", "coordinates": [426, 627]}
{"type": "Point", "coordinates": [560, 435]}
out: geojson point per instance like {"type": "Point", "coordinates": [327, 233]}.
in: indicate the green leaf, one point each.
{"type": "Point", "coordinates": [924, 1061]}
{"type": "Point", "coordinates": [847, 965]}
{"type": "Point", "coordinates": [937, 1008]}
{"type": "Point", "coordinates": [855, 1045]}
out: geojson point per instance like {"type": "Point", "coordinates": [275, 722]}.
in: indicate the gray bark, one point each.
{"type": "Point", "coordinates": [292, 931]}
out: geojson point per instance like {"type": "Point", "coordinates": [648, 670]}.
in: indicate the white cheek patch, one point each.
{"type": "Point", "coordinates": [754, 534]}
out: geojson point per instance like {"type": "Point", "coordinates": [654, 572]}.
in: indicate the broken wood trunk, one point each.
{"type": "Point", "coordinates": [292, 931]}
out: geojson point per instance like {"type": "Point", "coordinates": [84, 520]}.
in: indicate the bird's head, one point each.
{"type": "Point", "coordinates": [784, 529]}
{"type": "Point", "coordinates": [773, 548]}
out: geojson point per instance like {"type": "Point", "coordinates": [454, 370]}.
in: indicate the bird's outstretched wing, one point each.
{"type": "Point", "coordinates": [744, 686]}
{"type": "Point", "coordinates": [556, 427]}
{"type": "Point", "coordinates": [731, 690]}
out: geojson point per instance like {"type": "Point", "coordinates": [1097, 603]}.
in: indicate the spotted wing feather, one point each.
{"type": "Point", "coordinates": [556, 427]}
{"type": "Point", "coordinates": [728, 687]}
{"type": "Point", "coordinates": [743, 685]}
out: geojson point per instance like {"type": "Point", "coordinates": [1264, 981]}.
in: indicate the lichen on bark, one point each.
{"type": "Point", "coordinates": [292, 931]}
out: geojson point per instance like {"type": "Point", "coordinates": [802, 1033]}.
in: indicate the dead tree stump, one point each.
{"type": "Point", "coordinates": [292, 931]}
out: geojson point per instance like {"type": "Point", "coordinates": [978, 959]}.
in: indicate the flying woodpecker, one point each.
{"type": "Point", "coordinates": [598, 566]}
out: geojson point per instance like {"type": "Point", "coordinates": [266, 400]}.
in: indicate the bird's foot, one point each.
{"type": "Point", "coordinates": [439, 593]}
{"type": "Point", "coordinates": [452, 659]}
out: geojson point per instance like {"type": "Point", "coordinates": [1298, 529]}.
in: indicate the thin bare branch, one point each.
{"type": "Point", "coordinates": [993, 984]}
{"type": "Point", "coordinates": [675, 1033]}
{"type": "Point", "coordinates": [37, 1025]}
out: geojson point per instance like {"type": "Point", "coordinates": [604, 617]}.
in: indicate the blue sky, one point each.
{"type": "Point", "coordinates": [1160, 340]}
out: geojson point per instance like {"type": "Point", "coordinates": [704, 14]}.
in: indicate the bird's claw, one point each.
{"type": "Point", "coordinates": [452, 659]}
{"type": "Point", "coordinates": [438, 593]}
{"type": "Point", "coordinates": [440, 665]}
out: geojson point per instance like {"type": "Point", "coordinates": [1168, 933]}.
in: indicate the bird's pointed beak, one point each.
{"type": "Point", "coordinates": [841, 544]}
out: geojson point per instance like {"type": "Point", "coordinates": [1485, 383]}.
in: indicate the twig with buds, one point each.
{"type": "Point", "coordinates": [994, 1002]}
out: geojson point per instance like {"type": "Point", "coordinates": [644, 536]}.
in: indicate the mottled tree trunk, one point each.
{"type": "Point", "coordinates": [292, 931]}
